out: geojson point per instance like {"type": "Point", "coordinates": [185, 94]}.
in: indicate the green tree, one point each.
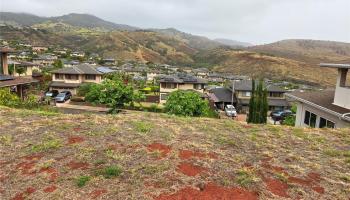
{"type": "Point", "coordinates": [258, 104]}
{"type": "Point", "coordinates": [186, 103]}
{"type": "Point", "coordinates": [113, 93]}
{"type": "Point", "coordinates": [20, 70]}
{"type": "Point", "coordinates": [58, 63]}
{"type": "Point", "coordinates": [84, 88]}
{"type": "Point", "coordinates": [9, 99]}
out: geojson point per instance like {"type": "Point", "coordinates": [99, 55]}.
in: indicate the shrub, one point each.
{"type": "Point", "coordinates": [9, 99]}
{"type": "Point", "coordinates": [82, 180]}
{"type": "Point", "coordinates": [84, 88]}
{"type": "Point", "coordinates": [110, 172]}
{"type": "Point", "coordinates": [186, 103]}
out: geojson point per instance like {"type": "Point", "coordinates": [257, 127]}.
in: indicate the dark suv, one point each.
{"type": "Point", "coordinates": [63, 96]}
{"type": "Point", "coordinates": [280, 115]}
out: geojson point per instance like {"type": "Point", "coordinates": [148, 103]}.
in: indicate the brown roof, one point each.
{"type": "Point", "coordinates": [6, 50]}
{"type": "Point", "coordinates": [17, 81]}
{"type": "Point", "coordinates": [321, 98]}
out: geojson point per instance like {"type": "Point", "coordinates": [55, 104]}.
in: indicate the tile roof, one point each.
{"type": "Point", "coordinates": [323, 99]}
{"type": "Point", "coordinates": [79, 69]}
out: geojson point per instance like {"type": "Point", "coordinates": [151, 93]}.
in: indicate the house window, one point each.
{"type": "Point", "coordinates": [163, 97]}
{"type": "Point", "coordinates": [246, 94]}
{"type": "Point", "coordinates": [168, 85]}
{"type": "Point", "coordinates": [310, 119]}
{"type": "Point", "coordinates": [59, 76]}
{"type": "Point", "coordinates": [90, 77]}
{"type": "Point", "coordinates": [324, 123]}
{"type": "Point", "coordinates": [276, 94]}
{"type": "Point", "coordinates": [72, 77]}
{"type": "Point", "coordinates": [198, 86]}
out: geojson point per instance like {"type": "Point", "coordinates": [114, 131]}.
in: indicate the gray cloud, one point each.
{"type": "Point", "coordinates": [256, 21]}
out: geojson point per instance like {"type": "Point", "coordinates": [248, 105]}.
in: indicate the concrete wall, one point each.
{"type": "Point", "coordinates": [300, 116]}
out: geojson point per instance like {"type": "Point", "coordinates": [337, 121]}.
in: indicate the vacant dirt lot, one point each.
{"type": "Point", "coordinates": [156, 156]}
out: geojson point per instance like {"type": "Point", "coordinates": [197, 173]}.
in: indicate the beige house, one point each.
{"type": "Point", "coordinates": [329, 108]}
{"type": "Point", "coordinates": [170, 84]}
{"type": "Point", "coordinates": [45, 60]}
{"type": "Point", "coordinates": [18, 85]}
{"type": "Point", "coordinates": [29, 68]}
{"type": "Point", "coordinates": [70, 78]}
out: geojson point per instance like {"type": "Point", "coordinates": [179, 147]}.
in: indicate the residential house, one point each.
{"type": "Point", "coordinates": [39, 48]}
{"type": "Point", "coordinates": [45, 60]}
{"type": "Point", "coordinates": [152, 74]}
{"type": "Point", "coordinates": [70, 78]}
{"type": "Point", "coordinates": [109, 61]}
{"type": "Point", "coordinates": [170, 84]}
{"type": "Point", "coordinates": [222, 96]}
{"type": "Point", "coordinates": [19, 85]}
{"type": "Point", "coordinates": [243, 91]}
{"type": "Point", "coordinates": [29, 68]}
{"type": "Point", "coordinates": [328, 108]}
{"type": "Point", "coordinates": [201, 72]}
{"type": "Point", "coordinates": [77, 54]}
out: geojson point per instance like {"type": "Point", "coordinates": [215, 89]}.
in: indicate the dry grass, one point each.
{"type": "Point", "coordinates": [112, 156]}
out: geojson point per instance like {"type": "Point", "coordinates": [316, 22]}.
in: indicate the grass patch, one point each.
{"type": "Point", "coordinates": [246, 177]}
{"type": "Point", "coordinates": [110, 172]}
{"type": "Point", "coordinates": [143, 127]}
{"type": "Point", "coordinates": [298, 132]}
{"type": "Point", "coordinates": [225, 141]}
{"type": "Point", "coordinates": [6, 140]}
{"type": "Point", "coordinates": [82, 180]}
{"type": "Point", "coordinates": [46, 145]}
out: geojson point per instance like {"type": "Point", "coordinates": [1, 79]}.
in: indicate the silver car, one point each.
{"type": "Point", "coordinates": [63, 96]}
{"type": "Point", "coordinates": [230, 111]}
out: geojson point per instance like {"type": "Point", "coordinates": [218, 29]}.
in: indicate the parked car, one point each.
{"type": "Point", "coordinates": [280, 115]}
{"type": "Point", "coordinates": [230, 111]}
{"type": "Point", "coordinates": [52, 93]}
{"type": "Point", "coordinates": [63, 96]}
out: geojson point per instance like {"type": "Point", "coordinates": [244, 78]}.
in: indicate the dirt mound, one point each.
{"type": "Point", "coordinates": [164, 149]}
{"type": "Point", "coordinates": [189, 169]}
{"type": "Point", "coordinates": [75, 139]}
{"type": "Point", "coordinates": [210, 192]}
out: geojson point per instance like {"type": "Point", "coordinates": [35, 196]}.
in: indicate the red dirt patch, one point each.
{"type": "Point", "coordinates": [26, 167]}
{"type": "Point", "coordinates": [314, 176]}
{"type": "Point", "coordinates": [53, 173]}
{"type": "Point", "coordinates": [75, 139]}
{"type": "Point", "coordinates": [33, 157]}
{"type": "Point", "coordinates": [50, 189]}
{"type": "Point", "coordinates": [277, 187]}
{"type": "Point", "coordinates": [318, 189]}
{"type": "Point", "coordinates": [96, 193]}
{"type": "Point", "coordinates": [210, 192]}
{"type": "Point", "coordinates": [189, 169]}
{"type": "Point", "coordinates": [188, 154]}
{"type": "Point", "coordinates": [78, 165]}
{"type": "Point", "coordinates": [164, 149]}
{"type": "Point", "coordinates": [300, 181]}
{"type": "Point", "coordinates": [22, 195]}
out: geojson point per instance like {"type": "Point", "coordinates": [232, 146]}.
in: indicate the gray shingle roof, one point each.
{"type": "Point", "coordinates": [182, 79]}
{"type": "Point", "coordinates": [65, 85]}
{"type": "Point", "coordinates": [321, 98]}
{"type": "Point", "coordinates": [246, 85]}
{"type": "Point", "coordinates": [79, 69]}
{"type": "Point", "coordinates": [223, 95]}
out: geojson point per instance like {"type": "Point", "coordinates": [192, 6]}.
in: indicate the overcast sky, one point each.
{"type": "Point", "coordinates": [254, 21]}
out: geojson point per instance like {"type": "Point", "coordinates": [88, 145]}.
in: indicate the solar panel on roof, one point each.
{"type": "Point", "coordinates": [5, 78]}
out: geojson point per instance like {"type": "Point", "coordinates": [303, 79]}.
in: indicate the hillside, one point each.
{"type": "Point", "coordinates": [233, 43]}
{"type": "Point", "coordinates": [132, 156]}
{"type": "Point", "coordinates": [266, 66]}
{"type": "Point", "coordinates": [307, 51]}
{"type": "Point", "coordinates": [73, 19]}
